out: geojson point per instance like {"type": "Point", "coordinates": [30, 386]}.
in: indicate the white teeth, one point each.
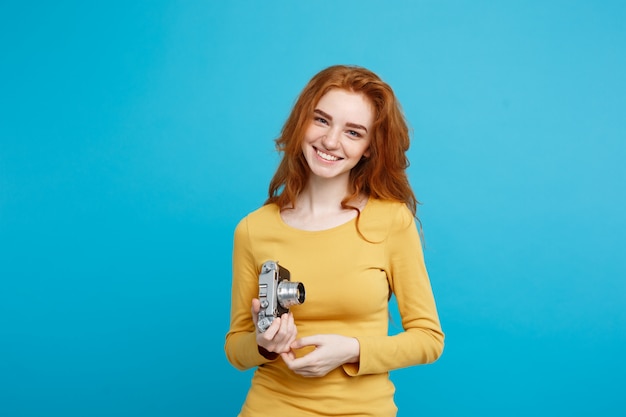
{"type": "Point", "coordinates": [327, 156]}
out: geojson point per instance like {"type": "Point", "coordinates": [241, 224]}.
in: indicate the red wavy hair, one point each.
{"type": "Point", "coordinates": [382, 175]}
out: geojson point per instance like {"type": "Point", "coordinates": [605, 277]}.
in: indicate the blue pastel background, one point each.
{"type": "Point", "coordinates": [134, 136]}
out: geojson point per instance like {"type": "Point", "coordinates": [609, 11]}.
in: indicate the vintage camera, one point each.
{"type": "Point", "coordinates": [276, 293]}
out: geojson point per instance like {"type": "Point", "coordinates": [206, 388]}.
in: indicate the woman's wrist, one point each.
{"type": "Point", "coordinates": [266, 353]}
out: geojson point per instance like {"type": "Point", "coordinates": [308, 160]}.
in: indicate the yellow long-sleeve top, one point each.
{"type": "Point", "coordinates": [347, 282]}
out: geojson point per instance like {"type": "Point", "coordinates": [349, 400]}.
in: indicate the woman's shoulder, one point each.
{"type": "Point", "coordinates": [377, 208]}
{"type": "Point", "coordinates": [260, 216]}
{"type": "Point", "coordinates": [264, 211]}
{"type": "Point", "coordinates": [381, 217]}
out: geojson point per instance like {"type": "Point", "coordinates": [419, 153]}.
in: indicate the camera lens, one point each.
{"type": "Point", "coordinates": [290, 293]}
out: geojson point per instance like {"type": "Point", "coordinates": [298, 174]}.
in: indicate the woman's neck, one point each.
{"type": "Point", "coordinates": [318, 207]}
{"type": "Point", "coordinates": [323, 196]}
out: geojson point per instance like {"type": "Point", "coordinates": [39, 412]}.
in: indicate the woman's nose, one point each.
{"type": "Point", "coordinates": [330, 140]}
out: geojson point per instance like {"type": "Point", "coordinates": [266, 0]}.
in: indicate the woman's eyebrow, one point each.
{"type": "Point", "coordinates": [349, 124]}
{"type": "Point", "coordinates": [356, 126]}
{"type": "Point", "coordinates": [323, 114]}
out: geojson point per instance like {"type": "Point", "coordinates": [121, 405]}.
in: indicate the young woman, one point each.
{"type": "Point", "coordinates": [341, 218]}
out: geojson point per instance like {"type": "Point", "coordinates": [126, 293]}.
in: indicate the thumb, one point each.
{"type": "Point", "coordinates": [256, 307]}
{"type": "Point", "coordinates": [302, 342]}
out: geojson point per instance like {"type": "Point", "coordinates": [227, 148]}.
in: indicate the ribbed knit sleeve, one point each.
{"type": "Point", "coordinates": [241, 347]}
{"type": "Point", "coordinates": [422, 340]}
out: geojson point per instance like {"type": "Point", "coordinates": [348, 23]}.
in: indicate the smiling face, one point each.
{"type": "Point", "coordinates": [339, 133]}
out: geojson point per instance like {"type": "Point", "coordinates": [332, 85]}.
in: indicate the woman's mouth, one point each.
{"type": "Point", "coordinates": [326, 157]}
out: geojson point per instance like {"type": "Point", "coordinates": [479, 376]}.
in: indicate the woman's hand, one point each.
{"type": "Point", "coordinates": [279, 336]}
{"type": "Point", "coordinates": [331, 351]}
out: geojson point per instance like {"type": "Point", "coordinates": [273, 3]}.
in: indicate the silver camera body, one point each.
{"type": "Point", "coordinates": [276, 293]}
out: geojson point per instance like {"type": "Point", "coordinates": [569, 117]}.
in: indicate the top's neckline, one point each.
{"type": "Point", "coordinates": [339, 226]}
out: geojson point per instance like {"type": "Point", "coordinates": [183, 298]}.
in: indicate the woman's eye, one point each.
{"type": "Point", "coordinates": [354, 133]}
{"type": "Point", "coordinates": [321, 120]}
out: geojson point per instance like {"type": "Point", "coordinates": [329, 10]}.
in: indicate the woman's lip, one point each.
{"type": "Point", "coordinates": [326, 156]}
